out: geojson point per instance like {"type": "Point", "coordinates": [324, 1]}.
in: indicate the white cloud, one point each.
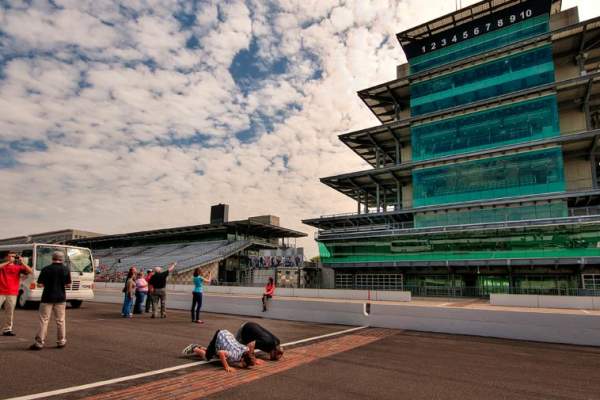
{"type": "Point", "coordinates": [118, 99]}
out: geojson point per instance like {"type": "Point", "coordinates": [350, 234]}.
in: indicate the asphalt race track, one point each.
{"type": "Point", "coordinates": [366, 363]}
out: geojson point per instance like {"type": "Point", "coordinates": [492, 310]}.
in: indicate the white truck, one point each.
{"type": "Point", "coordinates": [39, 255]}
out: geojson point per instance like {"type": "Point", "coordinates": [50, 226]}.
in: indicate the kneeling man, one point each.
{"type": "Point", "coordinates": [252, 332]}
{"type": "Point", "coordinates": [224, 346]}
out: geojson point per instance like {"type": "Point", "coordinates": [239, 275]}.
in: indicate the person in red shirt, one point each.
{"type": "Point", "coordinates": [10, 280]}
{"type": "Point", "coordinates": [268, 294]}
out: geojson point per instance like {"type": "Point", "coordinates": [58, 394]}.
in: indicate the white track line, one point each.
{"type": "Point", "coordinates": [160, 371]}
{"type": "Point", "coordinates": [323, 336]}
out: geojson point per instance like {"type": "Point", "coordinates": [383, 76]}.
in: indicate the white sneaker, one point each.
{"type": "Point", "coordinates": [189, 350]}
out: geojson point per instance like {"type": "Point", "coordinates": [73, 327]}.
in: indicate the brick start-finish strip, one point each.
{"type": "Point", "coordinates": [213, 378]}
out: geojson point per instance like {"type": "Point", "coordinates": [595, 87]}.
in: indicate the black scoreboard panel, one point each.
{"type": "Point", "coordinates": [512, 15]}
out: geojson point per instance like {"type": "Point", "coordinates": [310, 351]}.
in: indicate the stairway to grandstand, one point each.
{"type": "Point", "coordinates": [116, 261]}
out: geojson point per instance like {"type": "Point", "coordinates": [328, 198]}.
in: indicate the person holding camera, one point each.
{"type": "Point", "coordinates": [10, 280]}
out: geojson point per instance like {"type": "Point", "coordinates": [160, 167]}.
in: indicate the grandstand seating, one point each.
{"type": "Point", "coordinates": [115, 262]}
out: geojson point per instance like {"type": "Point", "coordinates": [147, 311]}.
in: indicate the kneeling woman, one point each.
{"type": "Point", "coordinates": [224, 346]}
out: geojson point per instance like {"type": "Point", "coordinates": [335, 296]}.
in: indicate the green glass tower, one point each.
{"type": "Point", "coordinates": [484, 171]}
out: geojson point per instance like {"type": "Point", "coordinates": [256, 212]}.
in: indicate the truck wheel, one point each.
{"type": "Point", "coordinates": [75, 303]}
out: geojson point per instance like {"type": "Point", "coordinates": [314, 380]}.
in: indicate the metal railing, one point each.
{"type": "Point", "coordinates": [573, 186]}
{"type": "Point", "coordinates": [408, 227]}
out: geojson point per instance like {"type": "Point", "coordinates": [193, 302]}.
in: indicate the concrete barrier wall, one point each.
{"type": "Point", "coordinates": [542, 327]}
{"type": "Point", "coordinates": [287, 292]}
{"type": "Point", "coordinates": [332, 312]}
{"type": "Point", "coordinates": [522, 325]}
{"type": "Point", "coordinates": [519, 300]}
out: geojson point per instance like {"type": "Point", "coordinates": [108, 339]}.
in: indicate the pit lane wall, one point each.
{"type": "Point", "coordinates": [522, 324]}
{"type": "Point", "coordinates": [535, 301]}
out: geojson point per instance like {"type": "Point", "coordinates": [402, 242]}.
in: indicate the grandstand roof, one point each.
{"type": "Point", "coordinates": [59, 236]}
{"type": "Point", "coordinates": [247, 227]}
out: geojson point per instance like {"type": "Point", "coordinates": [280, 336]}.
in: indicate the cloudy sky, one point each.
{"type": "Point", "coordinates": [118, 116]}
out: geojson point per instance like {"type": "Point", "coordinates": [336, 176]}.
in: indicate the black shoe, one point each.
{"type": "Point", "coordinates": [34, 347]}
{"type": "Point", "coordinates": [9, 333]}
{"type": "Point", "coordinates": [61, 346]}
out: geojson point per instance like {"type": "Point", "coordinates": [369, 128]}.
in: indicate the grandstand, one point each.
{"type": "Point", "coordinates": [114, 263]}
{"type": "Point", "coordinates": [484, 173]}
{"type": "Point", "coordinates": [222, 247]}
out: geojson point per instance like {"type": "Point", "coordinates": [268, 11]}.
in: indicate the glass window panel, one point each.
{"type": "Point", "coordinates": [507, 176]}
{"type": "Point", "coordinates": [516, 72]}
{"type": "Point", "coordinates": [514, 123]}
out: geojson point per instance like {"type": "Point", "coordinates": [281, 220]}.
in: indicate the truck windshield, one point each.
{"type": "Point", "coordinates": [78, 260]}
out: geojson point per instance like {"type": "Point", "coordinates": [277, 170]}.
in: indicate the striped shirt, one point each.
{"type": "Point", "coordinates": [226, 341]}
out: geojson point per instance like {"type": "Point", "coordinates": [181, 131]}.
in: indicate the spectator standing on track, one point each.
{"type": "Point", "coordinates": [224, 346]}
{"type": "Point", "coordinates": [141, 291]}
{"type": "Point", "coordinates": [199, 281]}
{"type": "Point", "coordinates": [149, 303]}
{"type": "Point", "coordinates": [129, 293]}
{"type": "Point", "coordinates": [265, 340]}
{"type": "Point", "coordinates": [268, 294]}
{"type": "Point", "coordinates": [159, 287]}
{"type": "Point", "coordinates": [53, 279]}
{"type": "Point", "coordinates": [10, 280]}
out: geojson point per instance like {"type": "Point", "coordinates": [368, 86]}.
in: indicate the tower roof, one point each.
{"type": "Point", "coordinates": [413, 39]}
